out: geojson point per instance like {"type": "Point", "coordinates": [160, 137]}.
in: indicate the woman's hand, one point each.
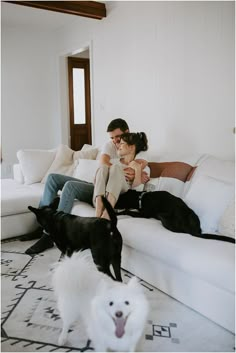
{"type": "Point", "coordinates": [138, 171]}
{"type": "Point", "coordinates": [129, 172]}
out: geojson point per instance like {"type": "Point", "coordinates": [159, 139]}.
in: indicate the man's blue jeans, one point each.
{"type": "Point", "coordinates": [71, 188]}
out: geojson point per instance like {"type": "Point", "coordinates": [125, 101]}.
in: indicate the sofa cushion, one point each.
{"type": "Point", "coordinates": [215, 168]}
{"type": "Point", "coordinates": [227, 220]}
{"type": "Point", "coordinates": [66, 160]}
{"type": "Point", "coordinates": [86, 170]}
{"type": "Point", "coordinates": [169, 176]}
{"type": "Point", "coordinates": [209, 197]}
{"type": "Point", "coordinates": [182, 251]}
{"type": "Point", "coordinates": [175, 249]}
{"type": "Point", "coordinates": [35, 163]}
{"type": "Point", "coordinates": [172, 185]}
{"type": "Point", "coordinates": [17, 197]}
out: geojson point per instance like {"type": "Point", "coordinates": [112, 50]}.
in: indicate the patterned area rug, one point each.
{"type": "Point", "coordinates": [31, 322]}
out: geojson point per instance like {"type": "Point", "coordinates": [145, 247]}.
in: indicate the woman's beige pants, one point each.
{"type": "Point", "coordinates": [110, 180]}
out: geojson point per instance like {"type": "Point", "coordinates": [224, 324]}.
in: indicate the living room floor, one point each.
{"type": "Point", "coordinates": [31, 322]}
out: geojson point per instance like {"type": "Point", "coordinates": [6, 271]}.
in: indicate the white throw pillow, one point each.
{"type": "Point", "coordinates": [227, 221]}
{"type": "Point", "coordinates": [216, 168]}
{"type": "Point", "coordinates": [86, 170]}
{"type": "Point", "coordinates": [89, 152]}
{"type": "Point", "coordinates": [35, 163]}
{"type": "Point", "coordinates": [66, 160]}
{"type": "Point", "coordinates": [213, 167]}
{"type": "Point", "coordinates": [172, 185]}
{"type": "Point", "coordinates": [209, 197]}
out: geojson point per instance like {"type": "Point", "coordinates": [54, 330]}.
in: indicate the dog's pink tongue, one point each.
{"type": "Point", "coordinates": [120, 326]}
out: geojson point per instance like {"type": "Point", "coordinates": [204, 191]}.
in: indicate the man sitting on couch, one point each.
{"type": "Point", "coordinates": [72, 188]}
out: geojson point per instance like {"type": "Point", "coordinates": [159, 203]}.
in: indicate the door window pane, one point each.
{"type": "Point", "coordinates": [79, 96]}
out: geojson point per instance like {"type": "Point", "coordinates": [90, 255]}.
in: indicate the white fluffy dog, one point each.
{"type": "Point", "coordinates": [114, 313]}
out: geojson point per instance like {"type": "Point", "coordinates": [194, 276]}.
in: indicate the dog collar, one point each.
{"type": "Point", "coordinates": [140, 199]}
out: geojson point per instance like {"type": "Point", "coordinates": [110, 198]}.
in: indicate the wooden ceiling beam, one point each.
{"type": "Point", "coordinates": [91, 9]}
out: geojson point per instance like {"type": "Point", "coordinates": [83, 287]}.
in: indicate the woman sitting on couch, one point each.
{"type": "Point", "coordinates": [110, 181]}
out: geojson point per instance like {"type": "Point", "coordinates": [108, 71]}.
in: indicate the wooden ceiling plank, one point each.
{"type": "Point", "coordinates": [91, 9]}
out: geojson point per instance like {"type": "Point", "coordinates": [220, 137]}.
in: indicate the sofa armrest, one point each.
{"type": "Point", "coordinates": [17, 174]}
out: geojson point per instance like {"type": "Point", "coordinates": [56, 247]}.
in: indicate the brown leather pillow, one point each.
{"type": "Point", "coordinates": [177, 170]}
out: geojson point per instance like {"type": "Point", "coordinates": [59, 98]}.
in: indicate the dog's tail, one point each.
{"type": "Point", "coordinates": [215, 237]}
{"type": "Point", "coordinates": [71, 273]}
{"type": "Point", "coordinates": [110, 210]}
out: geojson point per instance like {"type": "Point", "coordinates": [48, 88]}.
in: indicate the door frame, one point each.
{"type": "Point", "coordinates": [64, 134]}
{"type": "Point", "coordinates": [76, 62]}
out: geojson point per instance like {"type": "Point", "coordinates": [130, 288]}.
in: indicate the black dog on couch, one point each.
{"type": "Point", "coordinates": [73, 233]}
{"type": "Point", "coordinates": [172, 211]}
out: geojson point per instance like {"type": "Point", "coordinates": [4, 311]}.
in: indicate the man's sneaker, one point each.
{"type": "Point", "coordinates": [36, 234]}
{"type": "Point", "coordinates": [44, 243]}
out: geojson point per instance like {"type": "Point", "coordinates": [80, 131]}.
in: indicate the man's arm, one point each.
{"type": "Point", "coordinates": [105, 159]}
{"type": "Point", "coordinates": [138, 171]}
{"type": "Point", "coordinates": [144, 175]}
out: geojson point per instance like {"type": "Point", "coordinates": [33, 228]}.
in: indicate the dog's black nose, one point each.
{"type": "Point", "coordinates": [119, 314]}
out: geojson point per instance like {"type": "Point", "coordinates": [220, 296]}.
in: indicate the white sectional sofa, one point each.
{"type": "Point", "coordinates": [198, 272]}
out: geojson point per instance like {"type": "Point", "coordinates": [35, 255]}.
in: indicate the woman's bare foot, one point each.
{"type": "Point", "coordinates": [105, 215]}
{"type": "Point", "coordinates": [112, 201]}
{"type": "Point", "coordinates": [99, 207]}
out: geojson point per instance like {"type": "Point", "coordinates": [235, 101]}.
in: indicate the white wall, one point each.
{"type": "Point", "coordinates": [30, 106]}
{"type": "Point", "coordinates": [166, 67]}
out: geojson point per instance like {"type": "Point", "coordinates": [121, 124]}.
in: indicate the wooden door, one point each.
{"type": "Point", "coordinates": [79, 101]}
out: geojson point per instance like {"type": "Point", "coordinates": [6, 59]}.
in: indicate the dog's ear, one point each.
{"type": "Point", "coordinates": [33, 209]}
{"type": "Point", "coordinates": [55, 203]}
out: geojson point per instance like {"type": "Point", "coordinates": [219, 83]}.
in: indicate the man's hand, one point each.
{"type": "Point", "coordinates": [129, 174]}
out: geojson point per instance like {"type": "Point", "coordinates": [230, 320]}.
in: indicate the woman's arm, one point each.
{"type": "Point", "coordinates": [130, 173]}
{"type": "Point", "coordinates": [142, 162]}
{"type": "Point", "coordinates": [144, 175]}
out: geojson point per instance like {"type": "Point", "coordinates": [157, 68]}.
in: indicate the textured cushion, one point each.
{"type": "Point", "coordinates": [86, 170]}
{"type": "Point", "coordinates": [66, 160]}
{"type": "Point", "coordinates": [169, 176]}
{"type": "Point", "coordinates": [209, 197]}
{"type": "Point", "coordinates": [35, 163]}
{"type": "Point", "coordinates": [227, 221]}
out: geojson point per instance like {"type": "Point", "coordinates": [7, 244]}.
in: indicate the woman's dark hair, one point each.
{"type": "Point", "coordinates": [118, 124]}
{"type": "Point", "coordinates": [138, 139]}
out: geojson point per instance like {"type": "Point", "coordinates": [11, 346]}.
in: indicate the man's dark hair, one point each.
{"type": "Point", "coordinates": [118, 124]}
